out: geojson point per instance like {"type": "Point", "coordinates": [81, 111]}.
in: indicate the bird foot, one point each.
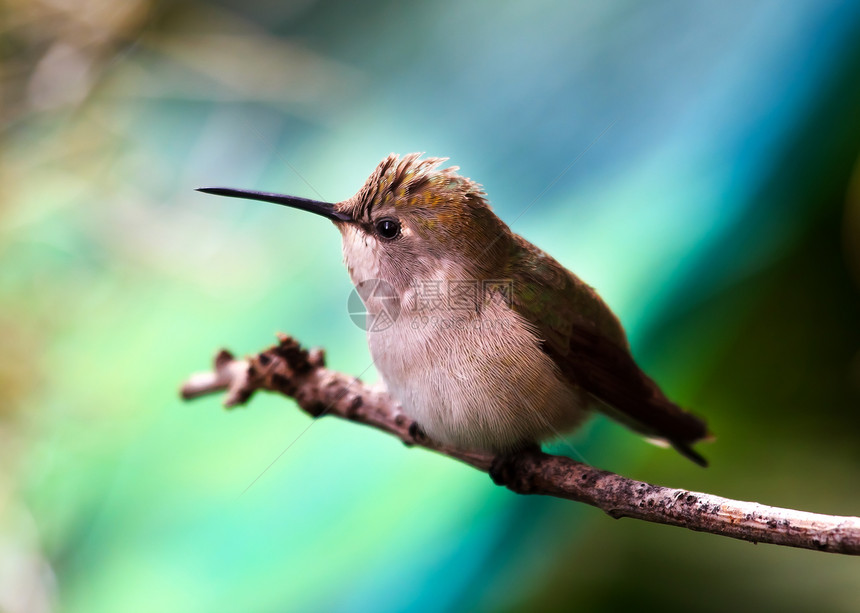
{"type": "Point", "coordinates": [417, 434]}
{"type": "Point", "coordinates": [505, 465]}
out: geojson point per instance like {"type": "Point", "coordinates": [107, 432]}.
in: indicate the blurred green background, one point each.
{"type": "Point", "coordinates": [719, 216]}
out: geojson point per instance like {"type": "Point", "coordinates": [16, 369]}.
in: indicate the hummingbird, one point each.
{"type": "Point", "coordinates": [486, 341]}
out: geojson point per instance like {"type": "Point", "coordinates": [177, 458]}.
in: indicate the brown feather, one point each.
{"type": "Point", "coordinates": [587, 343]}
{"type": "Point", "coordinates": [610, 374]}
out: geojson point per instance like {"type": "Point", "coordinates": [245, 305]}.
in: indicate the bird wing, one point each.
{"type": "Point", "coordinates": [586, 341]}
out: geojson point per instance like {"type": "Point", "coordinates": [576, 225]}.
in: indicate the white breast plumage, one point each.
{"type": "Point", "coordinates": [478, 381]}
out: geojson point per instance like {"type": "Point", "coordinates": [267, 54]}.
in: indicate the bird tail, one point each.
{"type": "Point", "coordinates": [665, 425]}
{"type": "Point", "coordinates": [610, 374]}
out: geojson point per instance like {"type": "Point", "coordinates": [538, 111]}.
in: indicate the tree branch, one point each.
{"type": "Point", "coordinates": [290, 370]}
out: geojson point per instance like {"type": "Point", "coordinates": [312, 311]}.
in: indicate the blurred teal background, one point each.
{"type": "Point", "coordinates": [719, 216]}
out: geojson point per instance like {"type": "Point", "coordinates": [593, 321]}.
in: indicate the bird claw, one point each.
{"type": "Point", "coordinates": [417, 434]}
{"type": "Point", "coordinates": [505, 465]}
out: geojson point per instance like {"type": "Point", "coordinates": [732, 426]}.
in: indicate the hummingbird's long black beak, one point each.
{"type": "Point", "coordinates": [326, 209]}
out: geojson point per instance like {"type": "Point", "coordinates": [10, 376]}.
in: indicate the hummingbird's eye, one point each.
{"type": "Point", "coordinates": [388, 229]}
